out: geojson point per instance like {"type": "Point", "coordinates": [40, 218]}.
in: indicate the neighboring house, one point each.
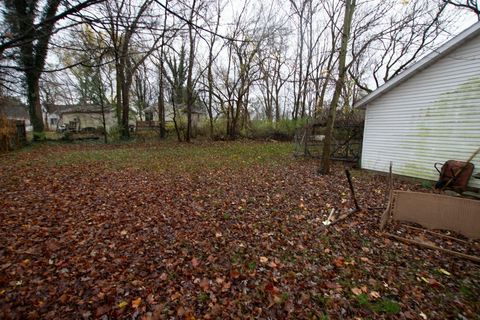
{"type": "Point", "coordinates": [429, 113]}
{"type": "Point", "coordinates": [50, 116]}
{"type": "Point", "coordinates": [15, 110]}
{"type": "Point", "coordinates": [198, 115]}
{"type": "Point", "coordinates": [78, 117]}
{"type": "Point", "coordinates": [151, 113]}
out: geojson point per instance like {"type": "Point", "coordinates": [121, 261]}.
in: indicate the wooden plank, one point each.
{"type": "Point", "coordinates": [436, 211]}
{"type": "Point", "coordinates": [387, 213]}
{"type": "Point", "coordinates": [430, 246]}
{"type": "Point", "coordinates": [436, 234]}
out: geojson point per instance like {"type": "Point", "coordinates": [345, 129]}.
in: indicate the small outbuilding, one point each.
{"type": "Point", "coordinates": [429, 113]}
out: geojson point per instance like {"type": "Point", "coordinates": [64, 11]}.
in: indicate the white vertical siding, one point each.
{"type": "Point", "coordinates": [432, 117]}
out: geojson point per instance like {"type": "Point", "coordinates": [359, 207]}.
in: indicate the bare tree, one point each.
{"type": "Point", "coordinates": [342, 70]}
{"type": "Point", "coordinates": [124, 22]}
{"type": "Point", "coordinates": [142, 89]}
{"type": "Point", "coordinates": [472, 5]}
{"type": "Point", "coordinates": [31, 25]}
{"type": "Point", "coordinates": [327, 56]}
{"type": "Point", "coordinates": [190, 99]}
{"type": "Point", "coordinates": [211, 57]}
{"type": "Point", "coordinates": [272, 62]}
{"type": "Point", "coordinates": [392, 48]}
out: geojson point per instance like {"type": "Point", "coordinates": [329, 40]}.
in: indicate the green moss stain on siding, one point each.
{"type": "Point", "coordinates": [444, 118]}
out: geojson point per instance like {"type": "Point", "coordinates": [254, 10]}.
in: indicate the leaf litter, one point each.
{"type": "Point", "coordinates": [103, 239]}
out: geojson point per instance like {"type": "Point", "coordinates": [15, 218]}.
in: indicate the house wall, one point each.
{"type": "Point", "coordinates": [432, 117]}
{"type": "Point", "coordinates": [197, 118]}
{"type": "Point", "coordinates": [89, 119]}
{"type": "Point", "coordinates": [53, 121]}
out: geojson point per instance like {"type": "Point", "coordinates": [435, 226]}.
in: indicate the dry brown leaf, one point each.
{"type": "Point", "coordinates": [136, 303]}
{"type": "Point", "coordinates": [204, 284]}
{"type": "Point", "coordinates": [195, 262]}
{"type": "Point", "coordinates": [356, 291]}
{"type": "Point", "coordinates": [374, 294]}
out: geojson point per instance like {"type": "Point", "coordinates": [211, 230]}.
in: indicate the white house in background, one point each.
{"type": "Point", "coordinates": [429, 113]}
{"type": "Point", "coordinates": [50, 116]}
{"type": "Point", "coordinates": [198, 115]}
{"type": "Point", "coordinates": [79, 116]}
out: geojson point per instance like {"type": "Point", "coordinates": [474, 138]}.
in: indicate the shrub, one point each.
{"type": "Point", "coordinates": [283, 130]}
{"type": "Point", "coordinates": [115, 133]}
{"type": "Point", "coordinates": [219, 129]}
{"type": "Point", "coordinates": [39, 136]}
{"type": "Point", "coordinates": [203, 128]}
{"type": "Point", "coordinates": [67, 136]}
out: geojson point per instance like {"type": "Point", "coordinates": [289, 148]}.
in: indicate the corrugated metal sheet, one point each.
{"type": "Point", "coordinates": [432, 117]}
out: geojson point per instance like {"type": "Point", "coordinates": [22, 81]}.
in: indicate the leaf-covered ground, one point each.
{"type": "Point", "coordinates": [219, 231]}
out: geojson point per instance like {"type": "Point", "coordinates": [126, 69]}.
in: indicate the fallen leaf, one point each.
{"type": "Point", "coordinates": [63, 298]}
{"type": "Point", "coordinates": [195, 262]}
{"type": "Point", "coordinates": [234, 274]}
{"type": "Point", "coordinates": [151, 299]}
{"type": "Point", "coordinates": [339, 262]}
{"type": "Point", "coordinates": [181, 311]}
{"type": "Point", "coordinates": [102, 310]}
{"type": "Point", "coordinates": [356, 291]}
{"type": "Point", "coordinates": [204, 284]}
{"type": "Point", "coordinates": [444, 272]}
{"type": "Point", "coordinates": [175, 296]}
{"type": "Point", "coordinates": [136, 303]}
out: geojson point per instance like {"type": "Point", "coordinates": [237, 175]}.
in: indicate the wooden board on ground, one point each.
{"type": "Point", "coordinates": [435, 211]}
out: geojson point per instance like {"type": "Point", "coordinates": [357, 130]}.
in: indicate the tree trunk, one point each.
{"type": "Point", "coordinates": [34, 48]}
{"type": "Point", "coordinates": [119, 81]}
{"type": "Point", "coordinates": [177, 130]}
{"type": "Point", "coordinates": [33, 97]}
{"type": "Point", "coordinates": [126, 107]}
{"type": "Point", "coordinates": [102, 106]}
{"type": "Point", "coordinates": [161, 105]}
{"type": "Point", "coordinates": [210, 93]}
{"type": "Point", "coordinates": [327, 144]}
{"type": "Point", "coordinates": [191, 58]}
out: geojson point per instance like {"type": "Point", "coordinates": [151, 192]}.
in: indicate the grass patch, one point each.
{"type": "Point", "coordinates": [203, 297]}
{"type": "Point", "coordinates": [381, 306]}
{"type": "Point", "coordinates": [173, 156]}
{"type": "Point", "coordinates": [426, 184]}
{"type": "Point", "coordinates": [251, 265]}
{"type": "Point", "coordinates": [227, 216]}
{"type": "Point", "coordinates": [467, 292]}
{"type": "Point", "coordinates": [321, 300]}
